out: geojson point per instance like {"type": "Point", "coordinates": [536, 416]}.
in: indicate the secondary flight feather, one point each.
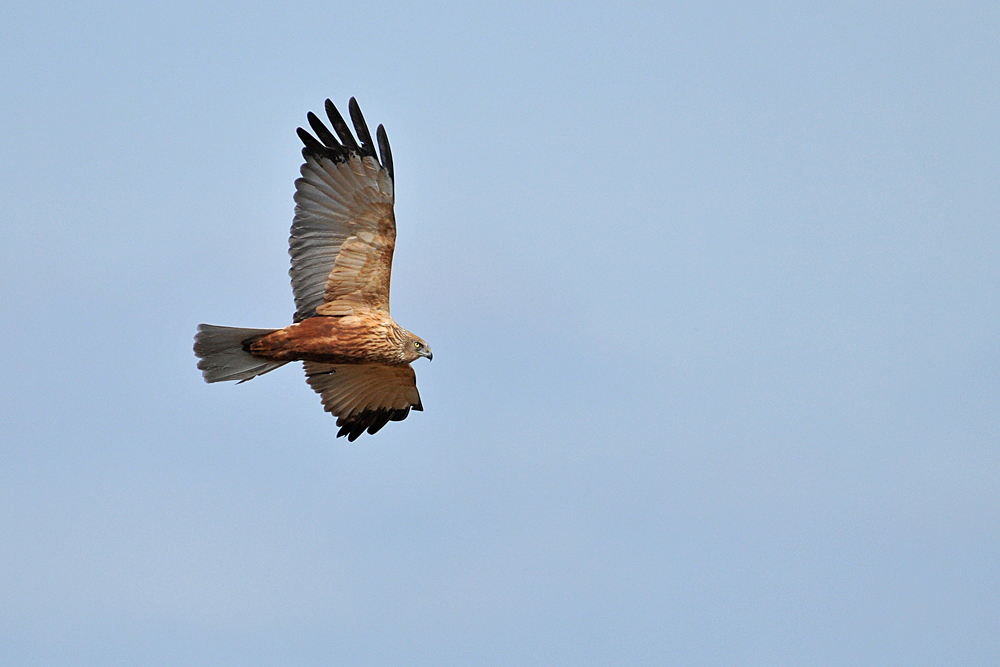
{"type": "Point", "coordinates": [343, 235]}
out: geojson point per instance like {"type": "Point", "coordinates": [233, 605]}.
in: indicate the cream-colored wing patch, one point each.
{"type": "Point", "coordinates": [364, 397]}
{"type": "Point", "coordinates": [344, 231]}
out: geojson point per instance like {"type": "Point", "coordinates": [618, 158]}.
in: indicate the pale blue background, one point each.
{"type": "Point", "coordinates": [713, 296]}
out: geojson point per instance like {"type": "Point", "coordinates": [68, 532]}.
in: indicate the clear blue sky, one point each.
{"type": "Point", "coordinates": [712, 291]}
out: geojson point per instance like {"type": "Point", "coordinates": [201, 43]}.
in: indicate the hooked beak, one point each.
{"type": "Point", "coordinates": [429, 355]}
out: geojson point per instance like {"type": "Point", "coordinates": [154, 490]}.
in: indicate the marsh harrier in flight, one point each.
{"type": "Point", "coordinates": [355, 357]}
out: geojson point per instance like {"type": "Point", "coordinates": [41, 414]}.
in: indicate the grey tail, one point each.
{"type": "Point", "coordinates": [224, 353]}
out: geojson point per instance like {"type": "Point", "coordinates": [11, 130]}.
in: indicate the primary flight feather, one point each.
{"type": "Point", "coordinates": [343, 235]}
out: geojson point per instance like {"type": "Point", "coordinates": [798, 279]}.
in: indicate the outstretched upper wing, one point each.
{"type": "Point", "coordinates": [344, 231]}
{"type": "Point", "coordinates": [364, 397]}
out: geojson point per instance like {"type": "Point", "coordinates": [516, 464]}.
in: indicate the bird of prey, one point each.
{"type": "Point", "coordinates": [343, 234]}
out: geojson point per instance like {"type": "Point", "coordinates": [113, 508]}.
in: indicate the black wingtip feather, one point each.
{"type": "Point", "coordinates": [340, 127]}
{"type": "Point", "coordinates": [361, 127]}
{"type": "Point", "coordinates": [356, 431]}
{"type": "Point", "coordinates": [377, 426]}
{"type": "Point", "coordinates": [385, 151]}
{"type": "Point", "coordinates": [310, 141]}
{"type": "Point", "coordinates": [324, 134]}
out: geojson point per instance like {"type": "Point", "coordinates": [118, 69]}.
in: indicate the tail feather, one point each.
{"type": "Point", "coordinates": [224, 353]}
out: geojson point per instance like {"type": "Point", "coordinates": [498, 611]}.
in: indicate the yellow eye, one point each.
{"type": "Point", "coordinates": [417, 345]}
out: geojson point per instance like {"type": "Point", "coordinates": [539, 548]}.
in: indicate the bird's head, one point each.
{"type": "Point", "coordinates": [415, 347]}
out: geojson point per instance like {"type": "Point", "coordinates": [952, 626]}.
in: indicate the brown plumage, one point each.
{"type": "Point", "coordinates": [343, 236]}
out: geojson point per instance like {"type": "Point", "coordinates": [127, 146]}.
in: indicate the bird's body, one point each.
{"type": "Point", "coordinates": [343, 236]}
{"type": "Point", "coordinates": [348, 339]}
